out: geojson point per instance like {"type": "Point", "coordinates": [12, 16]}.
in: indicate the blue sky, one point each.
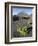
{"type": "Point", "coordinates": [15, 11]}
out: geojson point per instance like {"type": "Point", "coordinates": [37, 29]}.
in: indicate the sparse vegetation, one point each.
{"type": "Point", "coordinates": [22, 30]}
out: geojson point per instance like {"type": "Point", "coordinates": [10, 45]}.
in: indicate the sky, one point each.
{"type": "Point", "coordinates": [15, 11]}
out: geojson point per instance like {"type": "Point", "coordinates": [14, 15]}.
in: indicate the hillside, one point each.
{"type": "Point", "coordinates": [22, 19]}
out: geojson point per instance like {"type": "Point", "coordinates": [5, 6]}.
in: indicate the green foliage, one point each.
{"type": "Point", "coordinates": [22, 30]}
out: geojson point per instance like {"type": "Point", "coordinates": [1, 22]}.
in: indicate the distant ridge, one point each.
{"type": "Point", "coordinates": [23, 14]}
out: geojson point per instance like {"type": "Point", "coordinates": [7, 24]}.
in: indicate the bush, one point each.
{"type": "Point", "coordinates": [22, 30]}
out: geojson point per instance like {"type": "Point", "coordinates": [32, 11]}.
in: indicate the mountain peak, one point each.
{"type": "Point", "coordinates": [23, 14]}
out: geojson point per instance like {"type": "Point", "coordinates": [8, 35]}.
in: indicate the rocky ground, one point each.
{"type": "Point", "coordinates": [20, 21]}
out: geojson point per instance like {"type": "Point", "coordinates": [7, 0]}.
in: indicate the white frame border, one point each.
{"type": "Point", "coordinates": [34, 25]}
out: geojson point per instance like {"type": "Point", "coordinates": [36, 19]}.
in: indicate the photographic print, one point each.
{"type": "Point", "coordinates": [21, 22]}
